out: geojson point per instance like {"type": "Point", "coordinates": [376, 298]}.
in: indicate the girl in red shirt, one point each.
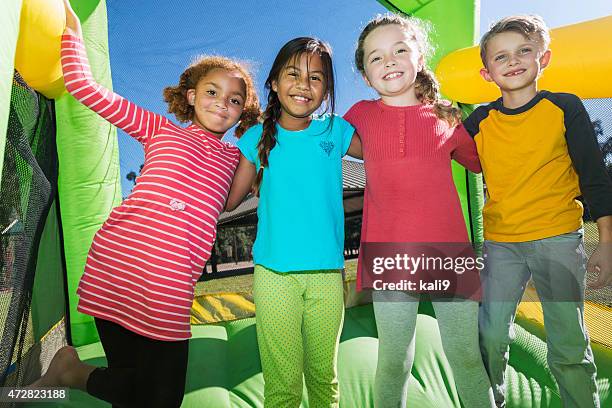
{"type": "Point", "coordinates": [408, 138]}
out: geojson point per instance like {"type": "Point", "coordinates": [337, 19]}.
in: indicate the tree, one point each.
{"type": "Point", "coordinates": [131, 176]}
{"type": "Point", "coordinates": [606, 146]}
{"type": "Point", "coordinates": [598, 127]}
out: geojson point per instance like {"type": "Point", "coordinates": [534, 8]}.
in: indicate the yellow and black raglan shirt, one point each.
{"type": "Point", "coordinates": [536, 161]}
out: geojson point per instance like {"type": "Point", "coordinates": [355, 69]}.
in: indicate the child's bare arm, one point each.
{"type": "Point", "coordinates": [242, 183]}
{"type": "Point", "coordinates": [601, 259]}
{"type": "Point", "coordinates": [354, 149]}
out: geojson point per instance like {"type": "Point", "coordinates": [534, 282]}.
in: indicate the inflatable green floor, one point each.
{"type": "Point", "coordinates": [224, 368]}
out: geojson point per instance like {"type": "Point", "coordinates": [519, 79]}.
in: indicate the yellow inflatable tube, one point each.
{"type": "Point", "coordinates": [581, 64]}
{"type": "Point", "coordinates": [37, 58]}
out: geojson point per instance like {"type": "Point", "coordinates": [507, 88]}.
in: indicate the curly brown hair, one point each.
{"type": "Point", "coordinates": [426, 85]}
{"type": "Point", "coordinates": [176, 96]}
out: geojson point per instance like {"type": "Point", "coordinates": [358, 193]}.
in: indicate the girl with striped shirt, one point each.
{"type": "Point", "coordinates": [147, 257]}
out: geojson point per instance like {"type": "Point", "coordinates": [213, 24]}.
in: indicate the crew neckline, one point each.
{"type": "Point", "coordinates": [209, 136]}
{"type": "Point", "coordinates": [279, 127]}
{"type": "Point", "coordinates": [316, 118]}
{"type": "Point", "coordinates": [499, 104]}
{"type": "Point", "coordinates": [383, 105]}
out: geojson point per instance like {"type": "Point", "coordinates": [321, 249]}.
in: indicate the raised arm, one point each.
{"type": "Point", "coordinates": [242, 183]}
{"type": "Point", "coordinates": [136, 121]}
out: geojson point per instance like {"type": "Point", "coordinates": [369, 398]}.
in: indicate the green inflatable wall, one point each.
{"type": "Point", "coordinates": [89, 166]}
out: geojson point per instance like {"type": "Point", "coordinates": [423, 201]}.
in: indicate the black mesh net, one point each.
{"type": "Point", "coordinates": [599, 111]}
{"type": "Point", "coordinates": [27, 189]}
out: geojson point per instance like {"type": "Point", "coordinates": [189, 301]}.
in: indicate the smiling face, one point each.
{"type": "Point", "coordinates": [301, 88]}
{"type": "Point", "coordinates": [218, 100]}
{"type": "Point", "coordinates": [391, 60]}
{"type": "Point", "coordinates": [514, 62]}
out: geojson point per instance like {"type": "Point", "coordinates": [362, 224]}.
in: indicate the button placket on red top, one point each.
{"type": "Point", "coordinates": [402, 134]}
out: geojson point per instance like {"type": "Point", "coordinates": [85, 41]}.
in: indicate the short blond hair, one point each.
{"type": "Point", "coordinates": [531, 27]}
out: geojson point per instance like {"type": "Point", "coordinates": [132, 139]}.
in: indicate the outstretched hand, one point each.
{"type": "Point", "coordinates": [601, 264]}
{"type": "Point", "coordinates": [601, 259]}
{"type": "Point", "coordinates": [73, 24]}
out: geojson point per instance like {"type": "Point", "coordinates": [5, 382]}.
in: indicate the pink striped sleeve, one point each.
{"type": "Point", "coordinates": [136, 121]}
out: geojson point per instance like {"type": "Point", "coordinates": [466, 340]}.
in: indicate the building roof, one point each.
{"type": "Point", "coordinates": [353, 175]}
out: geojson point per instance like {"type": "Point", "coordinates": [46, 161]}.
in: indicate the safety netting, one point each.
{"type": "Point", "coordinates": [601, 117]}
{"type": "Point", "coordinates": [28, 188]}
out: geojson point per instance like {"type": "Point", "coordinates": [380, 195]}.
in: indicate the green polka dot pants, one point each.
{"type": "Point", "coordinates": [298, 319]}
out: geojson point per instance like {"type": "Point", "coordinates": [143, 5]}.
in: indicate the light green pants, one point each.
{"type": "Point", "coordinates": [396, 317]}
{"type": "Point", "coordinates": [298, 319]}
{"type": "Point", "coordinates": [557, 266]}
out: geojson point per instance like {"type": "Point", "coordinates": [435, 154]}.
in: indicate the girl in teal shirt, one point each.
{"type": "Point", "coordinates": [293, 161]}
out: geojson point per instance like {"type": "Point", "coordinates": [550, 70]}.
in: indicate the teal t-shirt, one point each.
{"type": "Point", "coordinates": [301, 217]}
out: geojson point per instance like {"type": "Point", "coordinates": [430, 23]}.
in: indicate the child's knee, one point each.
{"type": "Point", "coordinates": [394, 365]}
{"type": "Point", "coordinates": [463, 358]}
{"type": "Point", "coordinates": [494, 337]}
{"type": "Point", "coordinates": [324, 372]}
{"type": "Point", "coordinates": [567, 351]}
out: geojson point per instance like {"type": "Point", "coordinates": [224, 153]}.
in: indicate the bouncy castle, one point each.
{"type": "Point", "coordinates": [60, 177]}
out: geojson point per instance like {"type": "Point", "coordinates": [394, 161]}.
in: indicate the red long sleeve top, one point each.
{"type": "Point", "coordinates": [410, 195]}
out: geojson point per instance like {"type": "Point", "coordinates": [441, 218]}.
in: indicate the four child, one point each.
{"type": "Point", "coordinates": [537, 150]}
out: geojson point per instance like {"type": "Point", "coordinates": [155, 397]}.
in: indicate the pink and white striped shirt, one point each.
{"type": "Point", "coordinates": [147, 257]}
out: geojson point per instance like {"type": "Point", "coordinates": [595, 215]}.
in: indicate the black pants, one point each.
{"type": "Point", "coordinates": [141, 372]}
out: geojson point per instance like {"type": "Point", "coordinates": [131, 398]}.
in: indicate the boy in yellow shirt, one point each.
{"type": "Point", "coordinates": [538, 153]}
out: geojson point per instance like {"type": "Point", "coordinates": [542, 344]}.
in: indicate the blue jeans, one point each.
{"type": "Point", "coordinates": [558, 268]}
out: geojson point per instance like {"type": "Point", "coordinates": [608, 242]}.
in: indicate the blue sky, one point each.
{"type": "Point", "coordinates": [151, 42]}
